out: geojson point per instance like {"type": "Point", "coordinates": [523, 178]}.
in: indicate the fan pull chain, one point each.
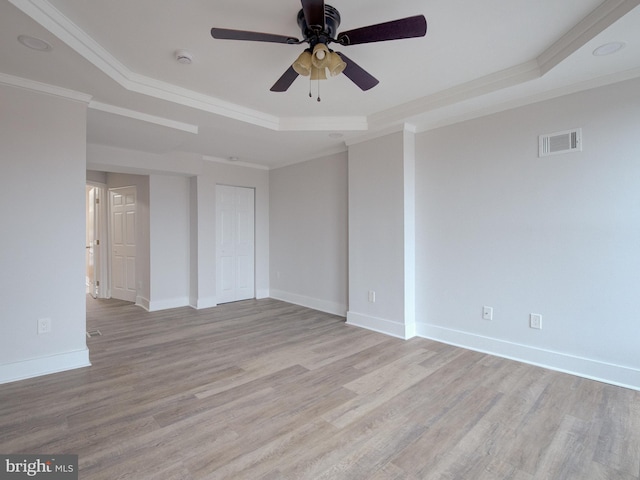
{"type": "Point", "coordinates": [311, 94]}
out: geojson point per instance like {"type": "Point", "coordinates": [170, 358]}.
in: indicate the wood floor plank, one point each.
{"type": "Point", "coordinates": [377, 387]}
{"type": "Point", "coordinates": [265, 390]}
{"type": "Point", "coordinates": [618, 441]}
{"type": "Point", "coordinates": [391, 472]}
{"type": "Point", "coordinates": [264, 460]}
{"type": "Point", "coordinates": [444, 434]}
{"type": "Point", "coordinates": [575, 439]}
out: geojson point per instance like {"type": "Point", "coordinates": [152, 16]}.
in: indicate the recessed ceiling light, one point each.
{"type": "Point", "coordinates": [608, 48]}
{"type": "Point", "coordinates": [34, 43]}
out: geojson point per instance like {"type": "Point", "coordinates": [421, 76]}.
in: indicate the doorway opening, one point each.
{"type": "Point", "coordinates": [95, 241]}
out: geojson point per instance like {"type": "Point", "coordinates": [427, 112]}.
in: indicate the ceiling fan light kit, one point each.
{"type": "Point", "coordinates": [320, 57]}
{"type": "Point", "coordinates": [335, 65]}
{"type": "Point", "coordinates": [319, 23]}
{"type": "Point", "coordinates": [303, 64]}
{"type": "Point", "coordinates": [318, 74]}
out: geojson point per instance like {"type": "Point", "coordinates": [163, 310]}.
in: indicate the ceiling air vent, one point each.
{"type": "Point", "coordinates": [560, 142]}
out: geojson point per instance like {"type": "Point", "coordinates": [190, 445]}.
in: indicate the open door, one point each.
{"type": "Point", "coordinates": [93, 241]}
{"type": "Point", "coordinates": [122, 214]}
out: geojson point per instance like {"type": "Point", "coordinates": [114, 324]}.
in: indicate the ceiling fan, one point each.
{"type": "Point", "coordinates": [319, 23]}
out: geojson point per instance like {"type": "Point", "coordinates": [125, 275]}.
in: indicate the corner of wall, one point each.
{"type": "Point", "coordinates": [309, 302]}
{"type": "Point", "coordinates": [381, 325]}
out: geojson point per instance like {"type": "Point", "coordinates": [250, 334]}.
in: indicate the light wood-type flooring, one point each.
{"type": "Point", "coordinates": [268, 390]}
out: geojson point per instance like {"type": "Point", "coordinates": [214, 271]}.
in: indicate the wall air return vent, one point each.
{"type": "Point", "coordinates": [560, 142]}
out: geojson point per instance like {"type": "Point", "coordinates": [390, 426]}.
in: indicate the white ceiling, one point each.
{"type": "Point", "coordinates": [478, 57]}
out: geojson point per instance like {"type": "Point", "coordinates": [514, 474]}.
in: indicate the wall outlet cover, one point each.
{"type": "Point", "coordinates": [44, 325]}
{"type": "Point", "coordinates": [535, 321]}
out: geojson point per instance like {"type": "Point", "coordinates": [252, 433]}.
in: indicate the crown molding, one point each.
{"type": "Point", "coordinates": [597, 21]}
{"type": "Point", "coordinates": [310, 124]}
{"type": "Point", "coordinates": [593, 24]}
{"type": "Point", "coordinates": [10, 80]}
{"type": "Point", "coordinates": [465, 91]}
{"type": "Point", "coordinates": [59, 25]}
{"type": "Point", "coordinates": [125, 112]}
{"type": "Point", "coordinates": [53, 20]}
{"type": "Point", "coordinates": [590, 84]}
{"type": "Point", "coordinates": [43, 12]}
{"type": "Point", "coordinates": [188, 98]}
{"type": "Point", "coordinates": [62, 27]}
{"type": "Point", "coordinates": [389, 130]}
{"type": "Point", "coordinates": [208, 158]}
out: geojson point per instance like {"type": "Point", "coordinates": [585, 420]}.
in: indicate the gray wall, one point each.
{"type": "Point", "coordinates": [308, 230]}
{"type": "Point", "coordinates": [169, 251]}
{"type": "Point", "coordinates": [42, 203]}
{"type": "Point", "coordinates": [558, 236]}
{"type": "Point", "coordinates": [379, 243]}
{"type": "Point", "coordinates": [495, 225]}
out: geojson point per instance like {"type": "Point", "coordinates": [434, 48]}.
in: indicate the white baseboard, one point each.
{"type": "Point", "coordinates": [262, 293]}
{"type": "Point", "coordinates": [583, 367]}
{"type": "Point", "coordinates": [309, 302]}
{"type": "Point", "coordinates": [381, 325]}
{"type": "Point", "coordinates": [157, 305]}
{"type": "Point", "coordinates": [142, 302]}
{"type": "Point", "coordinates": [37, 367]}
{"type": "Point", "coordinates": [204, 303]}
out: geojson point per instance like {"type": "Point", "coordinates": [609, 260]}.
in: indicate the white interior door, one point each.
{"type": "Point", "coordinates": [123, 243]}
{"type": "Point", "coordinates": [235, 243]}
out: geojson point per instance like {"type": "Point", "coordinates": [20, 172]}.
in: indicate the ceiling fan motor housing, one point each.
{"type": "Point", "coordinates": [319, 24]}
{"type": "Point", "coordinates": [326, 33]}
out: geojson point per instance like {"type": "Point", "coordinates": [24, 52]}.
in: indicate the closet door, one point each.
{"type": "Point", "coordinates": [235, 243]}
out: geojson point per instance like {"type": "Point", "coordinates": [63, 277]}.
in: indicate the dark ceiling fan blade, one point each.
{"type": "Point", "coordinates": [314, 13]}
{"type": "Point", "coordinates": [226, 34]}
{"type": "Point", "coordinates": [285, 81]}
{"type": "Point", "coordinates": [357, 74]}
{"type": "Point", "coordinates": [409, 27]}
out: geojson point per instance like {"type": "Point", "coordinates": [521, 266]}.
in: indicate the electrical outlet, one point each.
{"type": "Point", "coordinates": [44, 325]}
{"type": "Point", "coordinates": [535, 321]}
{"type": "Point", "coordinates": [487, 313]}
{"type": "Point", "coordinates": [372, 296]}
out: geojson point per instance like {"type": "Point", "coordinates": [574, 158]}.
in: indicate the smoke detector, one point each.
{"type": "Point", "coordinates": [183, 56]}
